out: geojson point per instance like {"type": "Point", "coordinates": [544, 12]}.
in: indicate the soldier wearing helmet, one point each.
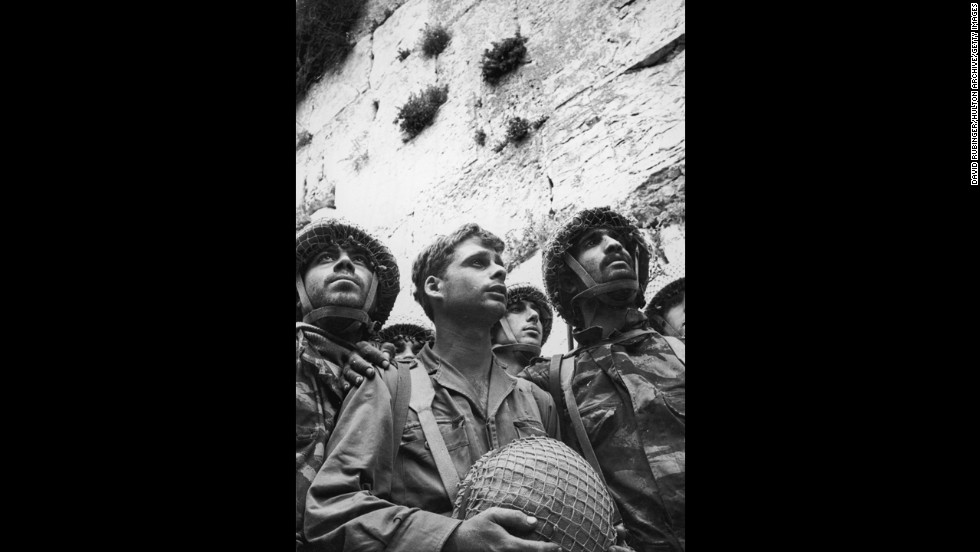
{"type": "Point", "coordinates": [389, 484]}
{"type": "Point", "coordinates": [625, 379]}
{"type": "Point", "coordinates": [407, 335]}
{"type": "Point", "coordinates": [346, 284]}
{"type": "Point", "coordinates": [666, 310]}
{"type": "Point", "coordinates": [523, 330]}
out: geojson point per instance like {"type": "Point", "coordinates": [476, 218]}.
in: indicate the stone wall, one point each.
{"type": "Point", "coordinates": [608, 76]}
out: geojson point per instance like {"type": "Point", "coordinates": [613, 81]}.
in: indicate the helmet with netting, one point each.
{"type": "Point", "coordinates": [666, 297]}
{"type": "Point", "coordinates": [325, 231]}
{"type": "Point", "coordinates": [554, 265]}
{"type": "Point", "coordinates": [546, 479]}
{"type": "Point", "coordinates": [527, 292]}
{"type": "Point", "coordinates": [406, 328]}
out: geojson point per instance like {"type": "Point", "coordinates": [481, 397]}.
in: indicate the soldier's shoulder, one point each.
{"type": "Point", "coordinates": [536, 372]}
{"type": "Point", "coordinates": [536, 389]}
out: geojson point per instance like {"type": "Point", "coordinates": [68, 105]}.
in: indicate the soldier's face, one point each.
{"type": "Point", "coordinates": [474, 281]}
{"type": "Point", "coordinates": [603, 256]}
{"type": "Point", "coordinates": [338, 277]}
{"type": "Point", "coordinates": [524, 321]}
{"type": "Point", "coordinates": [675, 321]}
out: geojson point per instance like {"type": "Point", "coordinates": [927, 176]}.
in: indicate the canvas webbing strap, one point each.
{"type": "Point", "coordinates": [421, 403]}
{"type": "Point", "coordinates": [562, 374]}
{"type": "Point", "coordinates": [401, 394]}
{"type": "Point", "coordinates": [311, 315]}
{"type": "Point", "coordinates": [592, 289]}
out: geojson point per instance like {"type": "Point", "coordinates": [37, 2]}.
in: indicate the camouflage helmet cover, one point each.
{"type": "Point", "coordinates": [325, 231]}
{"type": "Point", "coordinates": [553, 263]}
{"type": "Point", "coordinates": [527, 292]}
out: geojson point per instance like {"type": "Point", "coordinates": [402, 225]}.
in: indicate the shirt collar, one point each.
{"type": "Point", "coordinates": [448, 376]}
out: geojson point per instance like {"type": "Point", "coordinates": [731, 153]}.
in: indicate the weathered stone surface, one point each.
{"type": "Point", "coordinates": [614, 136]}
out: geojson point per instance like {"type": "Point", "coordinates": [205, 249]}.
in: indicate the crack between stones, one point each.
{"type": "Point", "coordinates": [664, 54]}
{"type": "Point", "coordinates": [572, 97]}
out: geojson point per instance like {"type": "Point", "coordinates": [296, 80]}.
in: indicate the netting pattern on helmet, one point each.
{"type": "Point", "coordinates": [527, 292]}
{"type": "Point", "coordinates": [544, 478]}
{"type": "Point", "coordinates": [413, 332]}
{"type": "Point", "coordinates": [665, 296]}
{"type": "Point", "coordinates": [553, 259]}
{"type": "Point", "coordinates": [322, 232]}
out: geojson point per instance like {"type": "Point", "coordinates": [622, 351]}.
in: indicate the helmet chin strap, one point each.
{"type": "Point", "coordinates": [601, 291]}
{"type": "Point", "coordinates": [513, 345]}
{"type": "Point", "coordinates": [358, 317]}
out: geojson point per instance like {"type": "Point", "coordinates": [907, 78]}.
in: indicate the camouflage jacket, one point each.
{"type": "Point", "coordinates": [631, 398]}
{"type": "Point", "coordinates": [318, 397]}
{"type": "Point", "coordinates": [369, 497]}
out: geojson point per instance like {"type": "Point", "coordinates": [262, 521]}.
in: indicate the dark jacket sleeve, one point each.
{"type": "Point", "coordinates": [348, 506]}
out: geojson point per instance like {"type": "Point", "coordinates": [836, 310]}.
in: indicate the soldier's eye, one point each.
{"type": "Point", "coordinates": [361, 259]}
{"type": "Point", "coordinates": [324, 258]}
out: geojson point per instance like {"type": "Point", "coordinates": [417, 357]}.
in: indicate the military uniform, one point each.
{"type": "Point", "coordinates": [318, 397]}
{"type": "Point", "coordinates": [319, 391]}
{"type": "Point", "coordinates": [631, 399]}
{"type": "Point", "coordinates": [367, 497]}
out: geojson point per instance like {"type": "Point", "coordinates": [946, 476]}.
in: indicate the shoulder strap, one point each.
{"type": "Point", "coordinates": [554, 379]}
{"type": "Point", "coordinates": [401, 391]}
{"type": "Point", "coordinates": [421, 402]}
{"type": "Point", "coordinates": [565, 370]}
{"type": "Point", "coordinates": [678, 347]}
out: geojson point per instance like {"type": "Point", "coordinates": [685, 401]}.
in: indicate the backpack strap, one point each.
{"type": "Point", "coordinates": [562, 371]}
{"type": "Point", "coordinates": [401, 391]}
{"type": "Point", "coordinates": [421, 402]}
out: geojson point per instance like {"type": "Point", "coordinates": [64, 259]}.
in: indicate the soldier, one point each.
{"type": "Point", "coordinates": [407, 336]}
{"type": "Point", "coordinates": [666, 309]}
{"type": "Point", "coordinates": [520, 334]}
{"type": "Point", "coordinates": [346, 284]}
{"type": "Point", "coordinates": [392, 471]}
{"type": "Point", "coordinates": [625, 382]}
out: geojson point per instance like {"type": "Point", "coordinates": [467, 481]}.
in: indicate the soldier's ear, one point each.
{"type": "Point", "coordinates": [432, 287]}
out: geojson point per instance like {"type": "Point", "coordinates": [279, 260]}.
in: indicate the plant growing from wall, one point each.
{"type": "Point", "coordinates": [304, 138]}
{"type": "Point", "coordinates": [517, 129]}
{"type": "Point", "coordinates": [434, 40]}
{"type": "Point", "coordinates": [480, 137]}
{"type": "Point", "coordinates": [403, 53]}
{"type": "Point", "coordinates": [322, 38]}
{"type": "Point", "coordinates": [502, 58]}
{"type": "Point", "coordinates": [420, 109]}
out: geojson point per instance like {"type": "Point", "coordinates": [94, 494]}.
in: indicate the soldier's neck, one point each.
{"type": "Point", "coordinates": [609, 318]}
{"type": "Point", "coordinates": [465, 346]}
{"type": "Point", "coordinates": [337, 327]}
